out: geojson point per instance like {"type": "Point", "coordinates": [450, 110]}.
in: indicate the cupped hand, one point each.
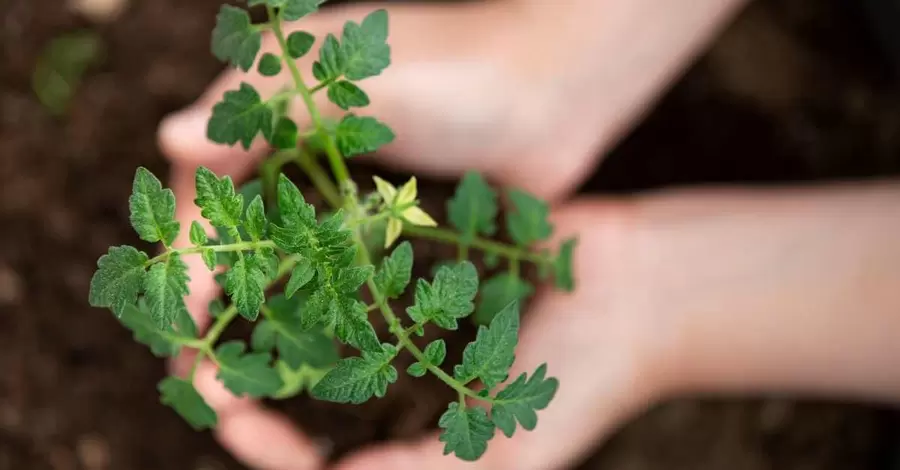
{"type": "Point", "coordinates": [461, 94]}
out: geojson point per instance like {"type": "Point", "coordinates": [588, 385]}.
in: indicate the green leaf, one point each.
{"type": "Point", "coordinates": [163, 342]}
{"type": "Point", "coordinates": [246, 283]}
{"type": "Point", "coordinates": [119, 278]}
{"type": "Point", "coordinates": [349, 280]}
{"type": "Point", "coordinates": [217, 200]}
{"type": "Point", "coordinates": [295, 345]}
{"type": "Point", "coordinates": [263, 337]}
{"type": "Point", "coordinates": [285, 134]}
{"type": "Point", "coordinates": [527, 221]}
{"type": "Point", "coordinates": [185, 326]}
{"type": "Point", "coordinates": [181, 396]}
{"type": "Point", "coordinates": [293, 10]}
{"type": "Point", "coordinates": [152, 209]}
{"type": "Point", "coordinates": [166, 286]}
{"type": "Point", "coordinates": [269, 65]}
{"type": "Point", "coordinates": [448, 298]}
{"type": "Point", "coordinates": [498, 292]}
{"type": "Point", "coordinates": [299, 43]}
{"type": "Point", "coordinates": [466, 431]}
{"type": "Point", "coordinates": [198, 234]}
{"type": "Point", "coordinates": [256, 219]}
{"type": "Point", "coordinates": [473, 209]}
{"type": "Point", "coordinates": [562, 266]}
{"type": "Point", "coordinates": [60, 69]}
{"type": "Point", "coordinates": [216, 307]}
{"type": "Point", "coordinates": [521, 400]}
{"type": "Point", "coordinates": [239, 117]}
{"type": "Point", "coordinates": [436, 352]}
{"type": "Point", "coordinates": [416, 369]}
{"type": "Point", "coordinates": [235, 39]}
{"type": "Point", "coordinates": [351, 325]}
{"type": "Point", "coordinates": [330, 64]}
{"type": "Point", "coordinates": [246, 374]}
{"type": "Point", "coordinates": [210, 259]}
{"type": "Point", "coordinates": [395, 272]}
{"type": "Point", "coordinates": [357, 135]}
{"type": "Point", "coordinates": [347, 95]}
{"type": "Point", "coordinates": [365, 50]}
{"type": "Point", "coordinates": [492, 353]}
{"type": "Point", "coordinates": [357, 379]}
{"type": "Point", "coordinates": [302, 274]}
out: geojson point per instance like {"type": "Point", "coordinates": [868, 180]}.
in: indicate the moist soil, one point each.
{"type": "Point", "coordinates": [793, 91]}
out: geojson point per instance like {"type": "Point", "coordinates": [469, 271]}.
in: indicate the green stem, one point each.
{"type": "Point", "coordinates": [338, 167]}
{"type": "Point", "coordinates": [239, 247]}
{"type": "Point", "coordinates": [269, 170]}
{"type": "Point", "coordinates": [319, 178]}
{"type": "Point", "coordinates": [321, 85]}
{"type": "Point", "coordinates": [397, 330]}
{"type": "Point", "coordinates": [488, 246]}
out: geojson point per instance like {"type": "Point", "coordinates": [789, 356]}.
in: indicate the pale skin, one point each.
{"type": "Point", "coordinates": [719, 291]}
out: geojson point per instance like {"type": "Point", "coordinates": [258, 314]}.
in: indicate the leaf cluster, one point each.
{"type": "Point", "coordinates": [266, 234]}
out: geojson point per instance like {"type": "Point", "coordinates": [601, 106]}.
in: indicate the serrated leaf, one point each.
{"type": "Point", "coordinates": [357, 379]}
{"type": "Point", "coordinates": [295, 345]}
{"type": "Point", "coordinates": [299, 43]}
{"type": "Point", "coordinates": [473, 208]}
{"type": "Point", "coordinates": [395, 272]}
{"type": "Point", "coordinates": [235, 39]}
{"type": "Point", "coordinates": [466, 431]}
{"type": "Point", "coordinates": [563, 276]}
{"type": "Point", "coordinates": [347, 95]}
{"type": "Point", "coordinates": [269, 65]}
{"type": "Point", "coordinates": [520, 401]}
{"type": "Point", "coordinates": [210, 259]}
{"type": "Point", "coordinates": [492, 353]}
{"type": "Point", "coordinates": [246, 374]}
{"type": "Point", "coordinates": [246, 282]}
{"type": "Point", "coordinates": [181, 396]}
{"type": "Point", "coordinates": [198, 234]}
{"type": "Point", "coordinates": [330, 65]}
{"type": "Point", "coordinates": [448, 298]}
{"type": "Point", "coordinates": [361, 134]}
{"type": "Point", "coordinates": [152, 209]}
{"type": "Point", "coordinates": [217, 200]}
{"type": "Point", "coordinates": [165, 288]}
{"type": "Point", "coordinates": [119, 278]}
{"type": "Point", "coordinates": [303, 273]}
{"type": "Point", "coordinates": [185, 325]}
{"type": "Point", "coordinates": [284, 136]}
{"type": "Point", "coordinates": [498, 292]}
{"type": "Point", "coordinates": [365, 50]}
{"type": "Point", "coordinates": [349, 280]}
{"type": "Point", "coordinates": [256, 219]}
{"type": "Point", "coordinates": [163, 342]}
{"type": "Point", "coordinates": [527, 220]}
{"type": "Point", "coordinates": [352, 326]}
{"type": "Point", "coordinates": [239, 117]}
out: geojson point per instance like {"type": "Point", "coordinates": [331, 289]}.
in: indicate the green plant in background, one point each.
{"type": "Point", "coordinates": [267, 233]}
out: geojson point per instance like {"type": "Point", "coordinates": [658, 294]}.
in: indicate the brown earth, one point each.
{"type": "Point", "coordinates": [793, 91]}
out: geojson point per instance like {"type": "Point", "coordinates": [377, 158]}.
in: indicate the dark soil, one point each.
{"type": "Point", "coordinates": [795, 91]}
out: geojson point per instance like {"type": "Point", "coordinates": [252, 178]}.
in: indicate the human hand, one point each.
{"type": "Point", "coordinates": [474, 105]}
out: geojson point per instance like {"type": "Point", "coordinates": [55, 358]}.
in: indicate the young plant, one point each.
{"type": "Point", "coordinates": [267, 233]}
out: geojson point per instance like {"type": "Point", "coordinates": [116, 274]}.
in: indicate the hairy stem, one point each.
{"type": "Point", "coordinates": [501, 249]}
{"type": "Point", "coordinates": [319, 178]}
{"type": "Point", "coordinates": [231, 247]}
{"type": "Point", "coordinates": [338, 167]}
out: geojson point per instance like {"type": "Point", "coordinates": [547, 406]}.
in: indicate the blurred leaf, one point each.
{"type": "Point", "coordinates": [61, 67]}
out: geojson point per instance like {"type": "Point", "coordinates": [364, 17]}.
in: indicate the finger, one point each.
{"type": "Point", "coordinates": [590, 343]}
{"type": "Point", "coordinates": [258, 437]}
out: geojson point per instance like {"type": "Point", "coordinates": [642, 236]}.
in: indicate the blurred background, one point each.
{"type": "Point", "coordinates": [794, 90]}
